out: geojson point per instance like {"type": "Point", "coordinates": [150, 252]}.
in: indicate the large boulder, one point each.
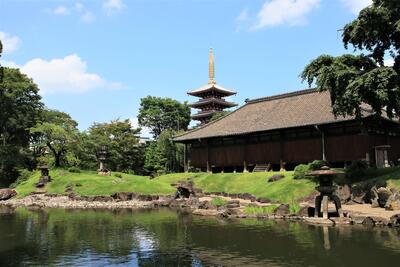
{"type": "Point", "coordinates": [282, 210]}
{"type": "Point", "coordinates": [395, 220]}
{"type": "Point", "coordinates": [123, 196]}
{"type": "Point", "coordinates": [276, 177]}
{"type": "Point", "coordinates": [393, 202]}
{"type": "Point", "coordinates": [344, 193]}
{"type": "Point", "coordinates": [383, 196]}
{"type": "Point", "coordinates": [7, 193]}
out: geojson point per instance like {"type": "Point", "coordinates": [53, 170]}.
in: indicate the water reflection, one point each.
{"type": "Point", "coordinates": [171, 238]}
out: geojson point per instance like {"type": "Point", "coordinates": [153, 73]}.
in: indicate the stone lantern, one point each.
{"type": "Point", "coordinates": [326, 188]}
{"type": "Point", "coordinates": [102, 156]}
{"type": "Point", "coordinates": [45, 177]}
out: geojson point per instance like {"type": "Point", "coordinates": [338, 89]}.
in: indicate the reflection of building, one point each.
{"type": "Point", "coordinates": [291, 128]}
{"type": "Point", "coordinates": [212, 97]}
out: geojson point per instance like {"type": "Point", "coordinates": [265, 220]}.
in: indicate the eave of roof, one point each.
{"type": "Point", "coordinates": [206, 101]}
{"type": "Point", "coordinates": [210, 87]}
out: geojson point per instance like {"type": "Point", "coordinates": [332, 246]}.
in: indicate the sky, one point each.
{"type": "Point", "coordinates": [95, 59]}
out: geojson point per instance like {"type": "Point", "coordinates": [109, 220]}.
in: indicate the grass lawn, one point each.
{"type": "Point", "coordinates": [286, 190]}
{"type": "Point", "coordinates": [90, 183]}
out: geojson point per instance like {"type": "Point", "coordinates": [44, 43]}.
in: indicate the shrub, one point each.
{"type": "Point", "coordinates": [74, 169]}
{"type": "Point", "coordinates": [259, 210]}
{"type": "Point", "coordinates": [300, 171]}
{"type": "Point", "coordinates": [356, 170]}
{"type": "Point", "coordinates": [294, 207]}
{"type": "Point", "coordinates": [317, 164]}
{"type": "Point", "coordinates": [218, 201]}
{"type": "Point", "coordinates": [23, 176]}
{"type": "Point", "coordinates": [118, 175]}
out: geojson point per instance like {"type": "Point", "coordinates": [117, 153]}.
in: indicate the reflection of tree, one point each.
{"type": "Point", "coordinates": [169, 238]}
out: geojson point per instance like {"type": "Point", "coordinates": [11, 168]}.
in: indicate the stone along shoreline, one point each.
{"type": "Point", "coordinates": [234, 207]}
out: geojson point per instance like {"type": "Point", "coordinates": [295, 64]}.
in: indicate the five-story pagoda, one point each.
{"type": "Point", "coordinates": [211, 97]}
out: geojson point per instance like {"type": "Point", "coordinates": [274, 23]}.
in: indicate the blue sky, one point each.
{"type": "Point", "coordinates": [96, 59]}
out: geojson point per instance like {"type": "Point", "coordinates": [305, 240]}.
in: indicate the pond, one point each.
{"type": "Point", "coordinates": [167, 237]}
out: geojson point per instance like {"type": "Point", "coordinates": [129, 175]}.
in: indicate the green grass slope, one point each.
{"type": "Point", "coordinates": [286, 190]}
{"type": "Point", "coordinates": [89, 183]}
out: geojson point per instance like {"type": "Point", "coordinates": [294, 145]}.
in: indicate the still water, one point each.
{"type": "Point", "coordinates": [171, 238]}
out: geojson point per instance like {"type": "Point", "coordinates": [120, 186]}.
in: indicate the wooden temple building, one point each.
{"type": "Point", "coordinates": [288, 129]}
{"type": "Point", "coordinates": [211, 97]}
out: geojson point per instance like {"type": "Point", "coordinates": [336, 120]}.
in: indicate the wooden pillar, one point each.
{"type": "Point", "coordinates": [185, 166]}
{"type": "Point", "coordinates": [281, 147]}
{"type": "Point", "coordinates": [208, 159]}
{"type": "Point", "coordinates": [245, 166]}
{"type": "Point", "coordinates": [245, 157]}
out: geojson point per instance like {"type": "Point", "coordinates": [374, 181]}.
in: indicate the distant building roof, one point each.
{"type": "Point", "coordinates": [300, 108]}
{"type": "Point", "coordinates": [211, 87]}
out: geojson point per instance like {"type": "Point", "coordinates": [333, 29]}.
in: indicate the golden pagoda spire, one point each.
{"type": "Point", "coordinates": [211, 73]}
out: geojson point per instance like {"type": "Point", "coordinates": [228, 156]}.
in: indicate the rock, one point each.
{"type": "Point", "coordinates": [383, 196]}
{"type": "Point", "coordinates": [276, 177]}
{"type": "Point", "coordinates": [358, 194]}
{"type": "Point", "coordinates": [186, 189]}
{"type": "Point", "coordinates": [103, 198]}
{"type": "Point", "coordinates": [395, 220]}
{"type": "Point", "coordinates": [123, 196]}
{"type": "Point", "coordinates": [393, 202]}
{"type": "Point", "coordinates": [204, 212]}
{"type": "Point", "coordinates": [306, 211]}
{"type": "Point", "coordinates": [231, 204]}
{"type": "Point", "coordinates": [68, 189]}
{"type": "Point", "coordinates": [205, 205]}
{"type": "Point", "coordinates": [247, 196]}
{"type": "Point", "coordinates": [226, 213]}
{"type": "Point", "coordinates": [147, 197]}
{"type": "Point", "coordinates": [7, 193]}
{"type": "Point", "coordinates": [282, 210]}
{"type": "Point", "coordinates": [323, 221]}
{"type": "Point", "coordinates": [344, 193]}
{"type": "Point", "coordinates": [264, 200]}
{"type": "Point", "coordinates": [368, 221]}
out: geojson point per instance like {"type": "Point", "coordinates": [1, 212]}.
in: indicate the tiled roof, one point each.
{"type": "Point", "coordinates": [212, 100]}
{"type": "Point", "coordinates": [300, 108]}
{"type": "Point", "coordinates": [211, 87]}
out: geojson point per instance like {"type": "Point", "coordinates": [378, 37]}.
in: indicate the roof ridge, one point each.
{"type": "Point", "coordinates": [284, 95]}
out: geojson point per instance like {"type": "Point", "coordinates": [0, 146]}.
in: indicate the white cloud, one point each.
{"type": "Point", "coordinates": [10, 43]}
{"type": "Point", "coordinates": [88, 17]}
{"type": "Point", "coordinates": [61, 10]}
{"type": "Point", "coordinates": [68, 74]}
{"type": "Point", "coordinates": [388, 62]}
{"type": "Point", "coordinates": [112, 6]}
{"type": "Point", "coordinates": [278, 12]}
{"type": "Point", "coordinates": [355, 6]}
{"type": "Point", "coordinates": [145, 132]}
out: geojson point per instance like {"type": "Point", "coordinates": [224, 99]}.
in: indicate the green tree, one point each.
{"type": "Point", "coordinates": [164, 155]}
{"type": "Point", "coordinates": [20, 109]}
{"type": "Point", "coordinates": [119, 138]}
{"type": "Point", "coordinates": [161, 114]}
{"type": "Point", "coordinates": [356, 79]}
{"type": "Point", "coordinates": [58, 132]}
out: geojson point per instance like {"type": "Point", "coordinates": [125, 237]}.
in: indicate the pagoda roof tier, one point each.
{"type": "Point", "coordinates": [204, 114]}
{"type": "Point", "coordinates": [210, 87]}
{"type": "Point", "coordinates": [212, 100]}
